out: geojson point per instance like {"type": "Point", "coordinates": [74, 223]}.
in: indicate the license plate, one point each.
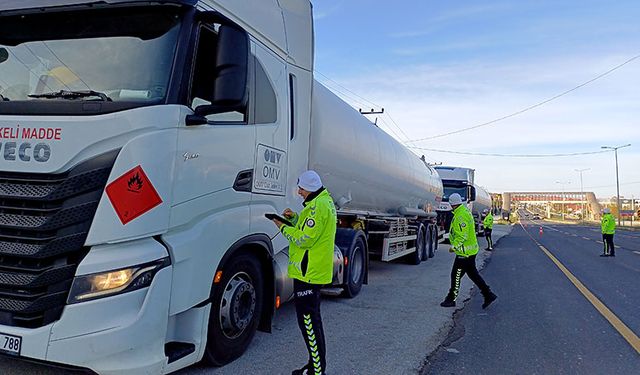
{"type": "Point", "coordinates": [10, 344]}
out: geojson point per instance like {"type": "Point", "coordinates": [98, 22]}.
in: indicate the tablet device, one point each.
{"type": "Point", "coordinates": [282, 219]}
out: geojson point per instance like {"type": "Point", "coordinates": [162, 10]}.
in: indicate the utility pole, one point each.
{"type": "Point", "coordinates": [582, 193]}
{"type": "Point", "coordinates": [371, 112]}
{"type": "Point", "coordinates": [633, 209]}
{"type": "Point", "coordinates": [615, 150]}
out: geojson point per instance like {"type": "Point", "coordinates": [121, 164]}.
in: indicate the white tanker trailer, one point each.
{"type": "Point", "coordinates": [365, 169]}
{"type": "Point", "coordinates": [380, 187]}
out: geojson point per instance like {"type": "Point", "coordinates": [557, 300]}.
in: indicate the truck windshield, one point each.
{"type": "Point", "coordinates": [448, 190]}
{"type": "Point", "coordinates": [122, 54]}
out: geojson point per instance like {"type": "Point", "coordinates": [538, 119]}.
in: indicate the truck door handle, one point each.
{"type": "Point", "coordinates": [243, 181]}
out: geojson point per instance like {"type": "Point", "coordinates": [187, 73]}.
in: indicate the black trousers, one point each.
{"type": "Point", "coordinates": [462, 266]}
{"type": "Point", "coordinates": [487, 235]}
{"type": "Point", "coordinates": [307, 301]}
{"type": "Point", "coordinates": [609, 247]}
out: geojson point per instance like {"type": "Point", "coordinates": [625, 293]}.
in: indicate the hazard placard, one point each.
{"type": "Point", "coordinates": [132, 195]}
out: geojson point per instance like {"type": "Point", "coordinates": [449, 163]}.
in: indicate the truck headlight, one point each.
{"type": "Point", "coordinates": [105, 284]}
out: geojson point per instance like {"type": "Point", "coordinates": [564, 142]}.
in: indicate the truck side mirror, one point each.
{"type": "Point", "coordinates": [4, 55]}
{"type": "Point", "coordinates": [472, 194]}
{"type": "Point", "coordinates": [231, 86]}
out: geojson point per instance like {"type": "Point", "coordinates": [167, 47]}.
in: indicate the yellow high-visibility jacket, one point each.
{"type": "Point", "coordinates": [608, 224]}
{"type": "Point", "coordinates": [311, 240]}
{"type": "Point", "coordinates": [462, 233]}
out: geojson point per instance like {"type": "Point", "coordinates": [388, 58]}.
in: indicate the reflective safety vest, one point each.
{"type": "Point", "coordinates": [488, 221]}
{"type": "Point", "coordinates": [311, 240]}
{"type": "Point", "coordinates": [462, 233]}
{"type": "Point", "coordinates": [608, 224]}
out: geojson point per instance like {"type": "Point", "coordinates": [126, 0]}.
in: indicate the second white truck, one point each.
{"type": "Point", "coordinates": [462, 181]}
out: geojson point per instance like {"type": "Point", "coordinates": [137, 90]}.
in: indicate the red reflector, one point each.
{"type": "Point", "coordinates": [346, 261]}
{"type": "Point", "coordinates": [277, 302]}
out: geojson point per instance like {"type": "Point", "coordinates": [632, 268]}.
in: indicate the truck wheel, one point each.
{"type": "Point", "coordinates": [433, 241]}
{"type": "Point", "coordinates": [235, 311]}
{"type": "Point", "coordinates": [425, 242]}
{"type": "Point", "coordinates": [417, 255]}
{"type": "Point", "coordinates": [356, 268]}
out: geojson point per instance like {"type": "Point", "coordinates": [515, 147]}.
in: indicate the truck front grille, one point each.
{"type": "Point", "coordinates": [44, 222]}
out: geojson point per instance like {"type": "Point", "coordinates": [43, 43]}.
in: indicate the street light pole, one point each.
{"type": "Point", "coordinates": [582, 192]}
{"type": "Point", "coordinates": [615, 150]}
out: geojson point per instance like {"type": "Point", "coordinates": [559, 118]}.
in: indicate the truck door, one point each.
{"type": "Point", "coordinates": [215, 158]}
{"type": "Point", "coordinates": [271, 118]}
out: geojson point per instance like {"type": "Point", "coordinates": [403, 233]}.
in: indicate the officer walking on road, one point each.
{"type": "Point", "coordinates": [311, 241]}
{"type": "Point", "coordinates": [488, 228]}
{"type": "Point", "coordinates": [464, 244]}
{"type": "Point", "coordinates": [608, 230]}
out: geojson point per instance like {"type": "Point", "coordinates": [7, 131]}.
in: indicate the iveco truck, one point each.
{"type": "Point", "coordinates": [461, 180]}
{"type": "Point", "coordinates": [142, 143]}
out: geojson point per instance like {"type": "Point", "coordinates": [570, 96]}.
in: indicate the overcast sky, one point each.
{"type": "Point", "coordinates": [440, 66]}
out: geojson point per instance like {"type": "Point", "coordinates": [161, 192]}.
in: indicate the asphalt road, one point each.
{"type": "Point", "coordinates": [542, 323]}
{"type": "Point", "coordinates": [389, 328]}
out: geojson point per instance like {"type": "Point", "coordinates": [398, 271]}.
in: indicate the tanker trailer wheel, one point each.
{"type": "Point", "coordinates": [417, 255]}
{"type": "Point", "coordinates": [433, 241]}
{"type": "Point", "coordinates": [428, 243]}
{"type": "Point", "coordinates": [356, 268]}
{"type": "Point", "coordinates": [426, 236]}
{"type": "Point", "coordinates": [235, 311]}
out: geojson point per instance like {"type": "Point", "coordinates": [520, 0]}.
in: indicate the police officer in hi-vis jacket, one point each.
{"type": "Point", "coordinates": [608, 225]}
{"type": "Point", "coordinates": [462, 235]}
{"type": "Point", "coordinates": [488, 228]}
{"type": "Point", "coordinates": [311, 243]}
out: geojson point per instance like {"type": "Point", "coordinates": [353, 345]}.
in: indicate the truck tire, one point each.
{"type": "Point", "coordinates": [436, 239]}
{"type": "Point", "coordinates": [433, 241]}
{"type": "Point", "coordinates": [416, 257]}
{"type": "Point", "coordinates": [425, 242]}
{"type": "Point", "coordinates": [236, 309]}
{"type": "Point", "coordinates": [356, 268]}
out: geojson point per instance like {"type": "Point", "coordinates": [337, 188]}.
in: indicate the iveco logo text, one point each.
{"type": "Point", "coordinates": [41, 152]}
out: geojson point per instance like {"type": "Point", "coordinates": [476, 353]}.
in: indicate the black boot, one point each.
{"type": "Point", "coordinates": [448, 303]}
{"type": "Point", "coordinates": [302, 371]}
{"type": "Point", "coordinates": [488, 299]}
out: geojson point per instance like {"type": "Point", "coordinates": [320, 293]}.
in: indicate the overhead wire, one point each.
{"type": "Point", "coordinates": [398, 137]}
{"type": "Point", "coordinates": [353, 98]}
{"type": "Point", "coordinates": [527, 108]}
{"type": "Point", "coordinates": [353, 93]}
{"type": "Point", "coordinates": [386, 112]}
{"type": "Point", "coordinates": [509, 155]}
{"type": "Point", "coordinates": [612, 185]}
